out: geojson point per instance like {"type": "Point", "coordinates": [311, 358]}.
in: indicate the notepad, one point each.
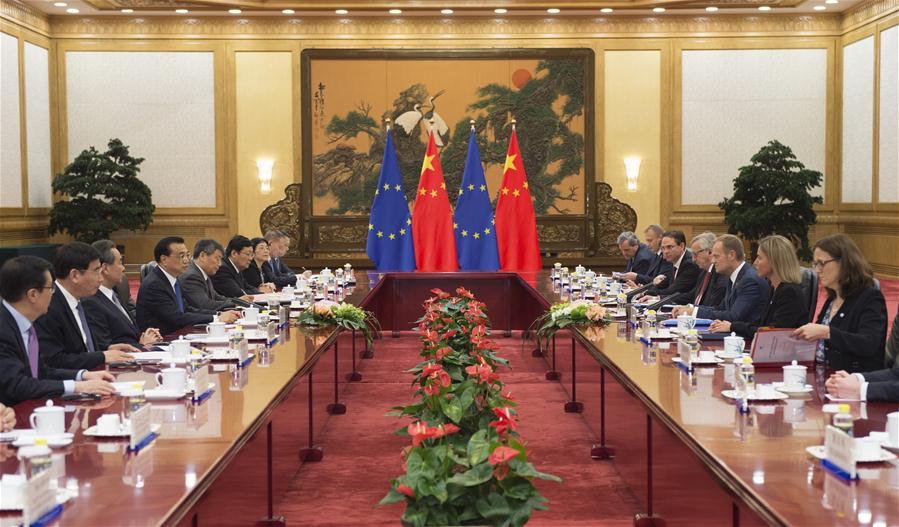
{"type": "Point", "coordinates": [776, 347]}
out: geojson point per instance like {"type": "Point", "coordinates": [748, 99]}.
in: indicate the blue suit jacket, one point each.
{"type": "Point", "coordinates": [157, 307]}
{"type": "Point", "coordinates": [642, 261]}
{"type": "Point", "coordinates": [744, 299]}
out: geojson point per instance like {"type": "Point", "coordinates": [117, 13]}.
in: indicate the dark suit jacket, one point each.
{"type": "Point", "coordinates": [123, 290]}
{"type": "Point", "coordinates": [157, 307]}
{"type": "Point", "coordinates": [858, 331]}
{"type": "Point", "coordinates": [254, 275]}
{"type": "Point", "coordinates": [890, 358]}
{"type": "Point", "coordinates": [658, 266]}
{"type": "Point", "coordinates": [229, 282]}
{"type": "Point", "coordinates": [883, 385]}
{"type": "Point", "coordinates": [683, 282]}
{"type": "Point", "coordinates": [786, 308]}
{"type": "Point", "coordinates": [743, 300]}
{"type": "Point", "coordinates": [16, 381]}
{"type": "Point", "coordinates": [279, 273]}
{"type": "Point", "coordinates": [108, 324]}
{"type": "Point", "coordinates": [199, 293]}
{"type": "Point", "coordinates": [60, 338]}
{"type": "Point", "coordinates": [641, 261]}
{"type": "Point", "coordinates": [713, 294]}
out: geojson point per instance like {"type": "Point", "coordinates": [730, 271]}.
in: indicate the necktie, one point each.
{"type": "Point", "coordinates": [88, 339]}
{"type": "Point", "coordinates": [729, 297]}
{"type": "Point", "coordinates": [33, 351]}
{"type": "Point", "coordinates": [630, 266]}
{"type": "Point", "coordinates": [115, 300]}
{"type": "Point", "coordinates": [705, 283]}
{"type": "Point", "coordinates": [178, 298]}
{"type": "Point", "coordinates": [209, 288]}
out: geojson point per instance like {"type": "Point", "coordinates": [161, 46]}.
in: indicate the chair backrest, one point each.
{"type": "Point", "coordinates": [810, 290]}
{"type": "Point", "coordinates": [876, 284]}
{"type": "Point", "coordinates": [146, 268]}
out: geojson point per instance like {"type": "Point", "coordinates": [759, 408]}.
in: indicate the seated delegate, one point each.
{"type": "Point", "coordinates": [681, 276]}
{"type": "Point", "coordinates": [874, 386]}
{"type": "Point", "coordinates": [709, 288]}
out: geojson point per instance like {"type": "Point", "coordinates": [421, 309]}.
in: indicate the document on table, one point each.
{"type": "Point", "coordinates": [773, 346]}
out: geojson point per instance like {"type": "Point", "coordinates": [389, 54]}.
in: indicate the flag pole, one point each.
{"type": "Point", "coordinates": [513, 124]}
{"type": "Point", "coordinates": [387, 120]}
{"type": "Point", "coordinates": [471, 122]}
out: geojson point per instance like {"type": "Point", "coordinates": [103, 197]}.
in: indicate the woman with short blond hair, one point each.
{"type": "Point", "coordinates": [786, 308]}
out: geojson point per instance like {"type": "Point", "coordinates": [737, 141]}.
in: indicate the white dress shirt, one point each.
{"type": "Point", "coordinates": [736, 273]}
{"type": "Point", "coordinates": [862, 387]}
{"type": "Point", "coordinates": [24, 325]}
{"type": "Point", "coordinates": [73, 306]}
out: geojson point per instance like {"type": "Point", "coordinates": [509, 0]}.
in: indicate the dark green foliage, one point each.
{"type": "Point", "coordinates": [772, 196]}
{"type": "Point", "coordinates": [102, 195]}
{"type": "Point", "coordinates": [551, 151]}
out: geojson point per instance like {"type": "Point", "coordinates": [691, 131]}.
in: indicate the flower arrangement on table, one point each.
{"type": "Point", "coordinates": [466, 463]}
{"type": "Point", "coordinates": [583, 314]}
{"type": "Point", "coordinates": [347, 316]}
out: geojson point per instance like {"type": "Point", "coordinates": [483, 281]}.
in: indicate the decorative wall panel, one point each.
{"type": "Point", "coordinates": [10, 144]}
{"type": "Point", "coordinates": [161, 104]}
{"type": "Point", "coordinates": [735, 101]}
{"type": "Point", "coordinates": [888, 163]}
{"type": "Point", "coordinates": [37, 125]}
{"type": "Point", "coordinates": [858, 121]}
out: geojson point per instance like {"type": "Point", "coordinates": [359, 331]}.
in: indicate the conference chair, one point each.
{"type": "Point", "coordinates": [146, 269]}
{"type": "Point", "coordinates": [810, 290]}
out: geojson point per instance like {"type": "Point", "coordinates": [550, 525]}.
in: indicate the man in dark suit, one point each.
{"type": "Point", "coordinates": [228, 281]}
{"type": "Point", "coordinates": [658, 266]}
{"type": "Point", "coordinates": [110, 322]}
{"type": "Point", "coordinates": [196, 282]}
{"type": "Point", "coordinates": [275, 269]}
{"type": "Point", "coordinates": [746, 293]}
{"type": "Point", "coordinates": [874, 386]}
{"type": "Point", "coordinates": [26, 285]}
{"type": "Point", "coordinates": [160, 301]}
{"type": "Point", "coordinates": [709, 288]}
{"type": "Point", "coordinates": [64, 332]}
{"type": "Point", "coordinates": [682, 275]}
{"type": "Point", "coordinates": [639, 256]}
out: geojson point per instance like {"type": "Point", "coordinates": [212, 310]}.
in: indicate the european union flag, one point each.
{"type": "Point", "coordinates": [473, 218]}
{"type": "Point", "coordinates": [389, 242]}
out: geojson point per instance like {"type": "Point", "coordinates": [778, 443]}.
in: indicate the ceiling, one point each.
{"type": "Point", "coordinates": [433, 8]}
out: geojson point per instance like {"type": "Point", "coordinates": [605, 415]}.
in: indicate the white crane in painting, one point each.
{"type": "Point", "coordinates": [409, 120]}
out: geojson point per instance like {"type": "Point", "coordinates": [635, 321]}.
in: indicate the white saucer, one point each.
{"type": "Point", "coordinates": [808, 388]}
{"type": "Point", "coordinates": [754, 396]}
{"type": "Point", "coordinates": [226, 354]}
{"type": "Point", "coordinates": [122, 431]}
{"type": "Point", "coordinates": [697, 362]}
{"type": "Point", "coordinates": [160, 394]}
{"type": "Point", "coordinates": [727, 356]}
{"type": "Point", "coordinates": [124, 386]}
{"type": "Point", "coordinates": [53, 441]}
{"type": "Point", "coordinates": [818, 452]}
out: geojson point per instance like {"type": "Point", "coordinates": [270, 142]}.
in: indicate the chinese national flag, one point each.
{"type": "Point", "coordinates": [516, 227]}
{"type": "Point", "coordinates": [432, 218]}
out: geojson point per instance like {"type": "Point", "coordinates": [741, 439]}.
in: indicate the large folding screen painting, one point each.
{"type": "Point", "coordinates": [348, 95]}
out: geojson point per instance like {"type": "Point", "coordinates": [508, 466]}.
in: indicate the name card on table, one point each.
{"type": "Point", "coordinates": [839, 455]}
{"type": "Point", "coordinates": [243, 351]}
{"type": "Point", "coordinates": [201, 382]}
{"type": "Point", "coordinates": [685, 354]}
{"type": "Point", "coordinates": [775, 347]}
{"type": "Point", "coordinates": [40, 500]}
{"type": "Point", "coordinates": [140, 428]}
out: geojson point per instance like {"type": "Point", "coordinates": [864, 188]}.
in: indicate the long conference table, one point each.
{"type": "Point", "coordinates": [689, 456]}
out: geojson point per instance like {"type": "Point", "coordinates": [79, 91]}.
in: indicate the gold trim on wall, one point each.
{"type": "Point", "coordinates": [867, 12]}
{"type": "Point", "coordinates": [25, 16]}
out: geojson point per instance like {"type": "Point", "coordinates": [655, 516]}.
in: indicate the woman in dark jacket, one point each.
{"type": "Point", "coordinates": [253, 273]}
{"type": "Point", "coordinates": [852, 326]}
{"type": "Point", "coordinates": [776, 261]}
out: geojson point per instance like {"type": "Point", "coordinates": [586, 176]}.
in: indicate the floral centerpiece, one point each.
{"type": "Point", "coordinates": [582, 314]}
{"type": "Point", "coordinates": [466, 463]}
{"type": "Point", "coordinates": [347, 316]}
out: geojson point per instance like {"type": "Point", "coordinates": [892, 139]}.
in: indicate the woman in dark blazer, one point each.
{"type": "Point", "coordinates": [786, 308]}
{"type": "Point", "coordinates": [253, 274]}
{"type": "Point", "coordinates": [851, 328]}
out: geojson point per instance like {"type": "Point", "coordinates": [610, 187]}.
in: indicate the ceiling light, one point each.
{"type": "Point", "coordinates": [711, 9]}
{"type": "Point", "coordinates": [396, 11]}
{"type": "Point", "coordinates": [606, 10]}
{"type": "Point", "coordinates": [341, 12]}
{"type": "Point", "coordinates": [72, 11]}
{"type": "Point", "coordinates": [658, 9]}
{"type": "Point", "coordinates": [446, 11]}
{"type": "Point", "coordinates": [288, 11]}
{"type": "Point", "coordinates": [126, 11]}
{"type": "Point", "coordinates": [553, 11]}
{"type": "Point", "coordinates": [235, 11]}
{"type": "Point", "coordinates": [500, 11]}
{"type": "Point", "coordinates": [764, 8]}
{"type": "Point", "coordinates": [182, 11]}
{"type": "Point", "coordinates": [819, 8]}
{"type": "Point", "coordinates": [831, 1]}
{"type": "Point", "coordinates": [60, 4]}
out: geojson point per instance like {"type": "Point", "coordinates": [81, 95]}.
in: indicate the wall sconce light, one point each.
{"type": "Point", "coordinates": [264, 169]}
{"type": "Point", "coordinates": [632, 169]}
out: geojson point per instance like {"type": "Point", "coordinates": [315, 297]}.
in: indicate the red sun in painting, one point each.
{"type": "Point", "coordinates": [520, 78]}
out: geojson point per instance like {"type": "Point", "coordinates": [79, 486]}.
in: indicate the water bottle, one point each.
{"type": "Point", "coordinates": [747, 378]}
{"type": "Point", "coordinates": [652, 323]}
{"type": "Point", "coordinates": [843, 419]}
{"type": "Point", "coordinates": [622, 304]}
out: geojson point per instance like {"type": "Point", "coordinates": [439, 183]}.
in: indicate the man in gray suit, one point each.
{"type": "Point", "coordinates": [196, 284]}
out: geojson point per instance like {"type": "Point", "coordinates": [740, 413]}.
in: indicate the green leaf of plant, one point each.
{"type": "Point", "coordinates": [392, 497]}
{"type": "Point", "coordinates": [478, 447]}
{"type": "Point", "coordinates": [473, 476]}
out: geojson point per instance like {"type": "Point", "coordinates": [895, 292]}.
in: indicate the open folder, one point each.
{"type": "Point", "coordinates": [776, 347]}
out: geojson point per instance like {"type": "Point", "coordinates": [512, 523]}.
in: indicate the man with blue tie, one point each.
{"type": "Point", "coordinates": [275, 270]}
{"type": "Point", "coordinates": [26, 286]}
{"type": "Point", "coordinates": [746, 292]}
{"type": "Point", "coordinates": [64, 332]}
{"type": "Point", "coordinates": [160, 302]}
{"type": "Point", "coordinates": [639, 256]}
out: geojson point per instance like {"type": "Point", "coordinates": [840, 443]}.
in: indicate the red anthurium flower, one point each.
{"type": "Point", "coordinates": [419, 432]}
{"type": "Point", "coordinates": [443, 352]}
{"type": "Point", "coordinates": [502, 454]}
{"type": "Point", "coordinates": [440, 292]}
{"type": "Point", "coordinates": [405, 489]}
{"type": "Point", "coordinates": [444, 378]}
{"type": "Point", "coordinates": [430, 368]}
{"type": "Point", "coordinates": [461, 291]}
{"type": "Point", "coordinates": [449, 333]}
{"type": "Point", "coordinates": [432, 388]}
{"type": "Point", "coordinates": [505, 422]}
{"type": "Point", "coordinates": [483, 372]}
{"type": "Point", "coordinates": [445, 430]}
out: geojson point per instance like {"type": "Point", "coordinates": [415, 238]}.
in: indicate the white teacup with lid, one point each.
{"type": "Point", "coordinates": [48, 420]}
{"type": "Point", "coordinates": [794, 376]}
{"type": "Point", "coordinates": [734, 345]}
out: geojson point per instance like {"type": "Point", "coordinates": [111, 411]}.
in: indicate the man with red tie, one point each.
{"type": "Point", "coordinates": [710, 288]}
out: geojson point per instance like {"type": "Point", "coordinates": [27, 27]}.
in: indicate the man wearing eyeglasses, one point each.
{"type": "Point", "coordinates": [160, 302]}
{"type": "Point", "coordinates": [65, 336]}
{"type": "Point", "coordinates": [26, 286]}
{"type": "Point", "coordinates": [228, 280]}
